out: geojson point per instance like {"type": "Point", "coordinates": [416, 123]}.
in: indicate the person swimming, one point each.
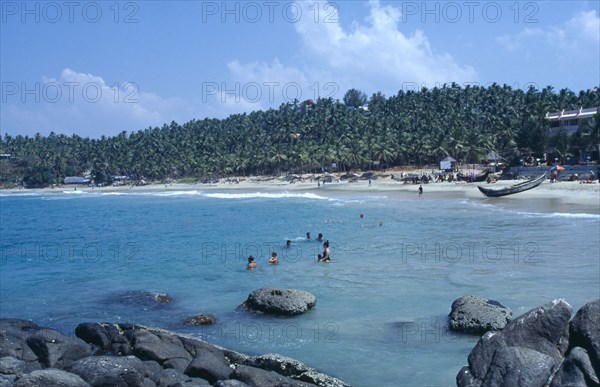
{"type": "Point", "coordinates": [308, 237]}
{"type": "Point", "coordinates": [320, 237]}
{"type": "Point", "coordinates": [325, 256]}
{"type": "Point", "coordinates": [288, 244]}
{"type": "Point", "coordinates": [251, 263]}
{"type": "Point", "coordinates": [274, 260]}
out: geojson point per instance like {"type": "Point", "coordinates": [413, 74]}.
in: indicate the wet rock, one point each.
{"type": "Point", "coordinates": [524, 353]}
{"type": "Point", "coordinates": [55, 350]}
{"type": "Point", "coordinates": [110, 370]}
{"type": "Point", "coordinates": [209, 366]}
{"type": "Point", "coordinates": [283, 302]}
{"type": "Point", "coordinates": [257, 377]}
{"type": "Point", "coordinates": [473, 314]}
{"type": "Point", "coordinates": [51, 378]}
{"type": "Point", "coordinates": [202, 319]}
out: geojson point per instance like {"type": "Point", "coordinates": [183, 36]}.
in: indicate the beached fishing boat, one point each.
{"type": "Point", "coordinates": [482, 176]}
{"type": "Point", "coordinates": [513, 189]}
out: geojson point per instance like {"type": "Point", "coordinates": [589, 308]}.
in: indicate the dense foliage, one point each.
{"type": "Point", "coordinates": [410, 128]}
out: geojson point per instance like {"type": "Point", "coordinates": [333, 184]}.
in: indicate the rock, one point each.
{"type": "Point", "coordinates": [94, 333]}
{"type": "Point", "coordinates": [161, 347]}
{"type": "Point", "coordinates": [284, 302]}
{"type": "Point", "coordinates": [209, 366]}
{"type": "Point", "coordinates": [524, 353]}
{"type": "Point", "coordinates": [7, 380]}
{"type": "Point", "coordinates": [55, 350]}
{"type": "Point", "coordinates": [230, 383]}
{"type": "Point", "coordinates": [51, 378]}
{"type": "Point", "coordinates": [13, 341]}
{"type": "Point", "coordinates": [142, 298]}
{"type": "Point", "coordinates": [202, 319]}
{"type": "Point", "coordinates": [472, 314]}
{"type": "Point", "coordinates": [295, 369]}
{"type": "Point", "coordinates": [12, 366]}
{"type": "Point", "coordinates": [171, 377]}
{"type": "Point", "coordinates": [110, 370]}
{"type": "Point", "coordinates": [576, 370]}
{"type": "Point", "coordinates": [584, 331]}
{"type": "Point", "coordinates": [257, 377]}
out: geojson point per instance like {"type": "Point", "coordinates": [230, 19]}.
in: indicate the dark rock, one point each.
{"type": "Point", "coordinates": [210, 366]}
{"type": "Point", "coordinates": [114, 371]}
{"type": "Point", "coordinates": [291, 367]}
{"type": "Point", "coordinates": [202, 319]}
{"type": "Point", "coordinates": [55, 350]}
{"type": "Point", "coordinates": [282, 365]}
{"type": "Point", "coordinates": [259, 378]}
{"type": "Point", "coordinates": [160, 346]}
{"type": "Point", "coordinates": [576, 370]}
{"type": "Point", "coordinates": [94, 333]}
{"type": "Point", "coordinates": [230, 383]}
{"type": "Point", "coordinates": [142, 298]}
{"type": "Point", "coordinates": [7, 380]}
{"type": "Point", "coordinates": [51, 378]}
{"type": "Point", "coordinates": [524, 353]}
{"type": "Point", "coordinates": [13, 340]}
{"type": "Point", "coordinates": [170, 377]}
{"type": "Point", "coordinates": [12, 366]}
{"type": "Point", "coordinates": [472, 314]}
{"type": "Point", "coordinates": [284, 302]}
{"type": "Point", "coordinates": [585, 332]}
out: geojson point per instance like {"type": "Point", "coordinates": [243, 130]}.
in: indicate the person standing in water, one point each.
{"type": "Point", "coordinates": [251, 263]}
{"type": "Point", "coordinates": [325, 256]}
{"type": "Point", "coordinates": [274, 260]}
{"type": "Point", "coordinates": [420, 190]}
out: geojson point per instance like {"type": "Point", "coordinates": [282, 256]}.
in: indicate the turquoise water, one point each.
{"type": "Point", "coordinates": [382, 302]}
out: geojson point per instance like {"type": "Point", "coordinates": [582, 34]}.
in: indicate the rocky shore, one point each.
{"type": "Point", "coordinates": [128, 355]}
{"type": "Point", "coordinates": [543, 347]}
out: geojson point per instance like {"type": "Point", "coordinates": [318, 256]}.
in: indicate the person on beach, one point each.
{"type": "Point", "coordinates": [325, 256]}
{"type": "Point", "coordinates": [274, 260]}
{"type": "Point", "coordinates": [251, 263]}
{"type": "Point", "coordinates": [420, 190]}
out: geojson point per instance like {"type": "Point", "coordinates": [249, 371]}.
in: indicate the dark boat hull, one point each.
{"type": "Point", "coordinates": [521, 187]}
{"type": "Point", "coordinates": [477, 178]}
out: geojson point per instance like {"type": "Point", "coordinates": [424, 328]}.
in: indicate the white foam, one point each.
{"type": "Point", "coordinates": [256, 195]}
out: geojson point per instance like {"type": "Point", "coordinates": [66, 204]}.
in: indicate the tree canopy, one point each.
{"type": "Point", "coordinates": [409, 128]}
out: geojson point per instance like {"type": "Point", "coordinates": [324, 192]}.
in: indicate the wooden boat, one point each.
{"type": "Point", "coordinates": [513, 189]}
{"type": "Point", "coordinates": [474, 178]}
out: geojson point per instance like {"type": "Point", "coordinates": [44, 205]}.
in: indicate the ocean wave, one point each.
{"type": "Point", "coordinates": [265, 195]}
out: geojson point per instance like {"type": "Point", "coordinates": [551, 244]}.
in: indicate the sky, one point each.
{"type": "Point", "coordinates": [98, 68]}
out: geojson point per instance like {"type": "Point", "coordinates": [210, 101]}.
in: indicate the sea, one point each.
{"type": "Point", "coordinates": [381, 319]}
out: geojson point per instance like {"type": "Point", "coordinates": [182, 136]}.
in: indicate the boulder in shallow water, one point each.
{"type": "Point", "coordinates": [524, 353]}
{"type": "Point", "coordinates": [201, 319]}
{"type": "Point", "coordinates": [282, 302]}
{"type": "Point", "coordinates": [473, 314]}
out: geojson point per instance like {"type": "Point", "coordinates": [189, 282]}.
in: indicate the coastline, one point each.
{"type": "Point", "coordinates": [571, 192]}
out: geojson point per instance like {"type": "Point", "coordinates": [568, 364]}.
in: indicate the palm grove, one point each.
{"type": "Point", "coordinates": [409, 128]}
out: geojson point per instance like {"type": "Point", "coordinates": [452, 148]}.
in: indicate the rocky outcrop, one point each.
{"type": "Point", "coordinates": [538, 348]}
{"type": "Point", "coordinates": [201, 319]}
{"type": "Point", "coordinates": [473, 314]}
{"type": "Point", "coordinates": [131, 355]}
{"type": "Point", "coordinates": [282, 302]}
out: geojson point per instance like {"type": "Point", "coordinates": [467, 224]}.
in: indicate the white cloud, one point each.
{"type": "Point", "coordinates": [575, 34]}
{"type": "Point", "coordinates": [86, 104]}
{"type": "Point", "coordinates": [371, 56]}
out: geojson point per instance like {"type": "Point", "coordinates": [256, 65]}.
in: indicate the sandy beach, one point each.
{"type": "Point", "coordinates": [568, 192]}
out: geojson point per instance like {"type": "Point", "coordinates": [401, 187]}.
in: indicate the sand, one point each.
{"type": "Point", "coordinates": [575, 192]}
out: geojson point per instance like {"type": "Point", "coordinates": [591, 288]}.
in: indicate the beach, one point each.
{"type": "Point", "coordinates": [568, 192]}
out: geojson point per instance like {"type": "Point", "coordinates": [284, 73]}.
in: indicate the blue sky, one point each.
{"type": "Point", "coordinates": [100, 68]}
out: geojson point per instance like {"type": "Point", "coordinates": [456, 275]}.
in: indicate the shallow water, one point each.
{"type": "Point", "coordinates": [382, 302]}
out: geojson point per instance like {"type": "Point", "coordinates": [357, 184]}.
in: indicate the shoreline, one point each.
{"type": "Point", "coordinates": [575, 192]}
